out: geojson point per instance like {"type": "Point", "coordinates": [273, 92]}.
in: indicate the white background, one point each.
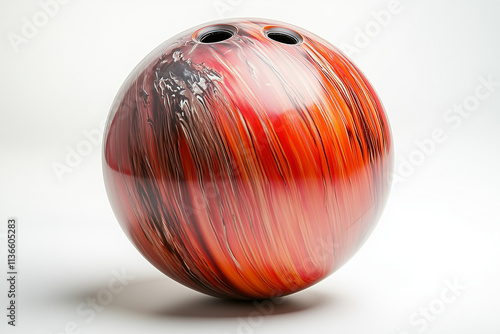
{"type": "Point", "coordinates": [441, 225]}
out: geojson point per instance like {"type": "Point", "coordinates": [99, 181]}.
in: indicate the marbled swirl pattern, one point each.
{"type": "Point", "coordinates": [247, 168]}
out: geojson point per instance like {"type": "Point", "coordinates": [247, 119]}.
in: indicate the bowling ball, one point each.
{"type": "Point", "coordinates": [247, 158]}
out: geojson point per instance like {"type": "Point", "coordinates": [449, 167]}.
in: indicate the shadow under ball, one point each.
{"type": "Point", "coordinates": [247, 158]}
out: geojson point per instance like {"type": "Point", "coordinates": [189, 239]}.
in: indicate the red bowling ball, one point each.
{"type": "Point", "coordinates": [247, 158]}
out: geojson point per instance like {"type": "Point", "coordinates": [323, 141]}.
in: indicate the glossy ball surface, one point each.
{"type": "Point", "coordinates": [247, 158]}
